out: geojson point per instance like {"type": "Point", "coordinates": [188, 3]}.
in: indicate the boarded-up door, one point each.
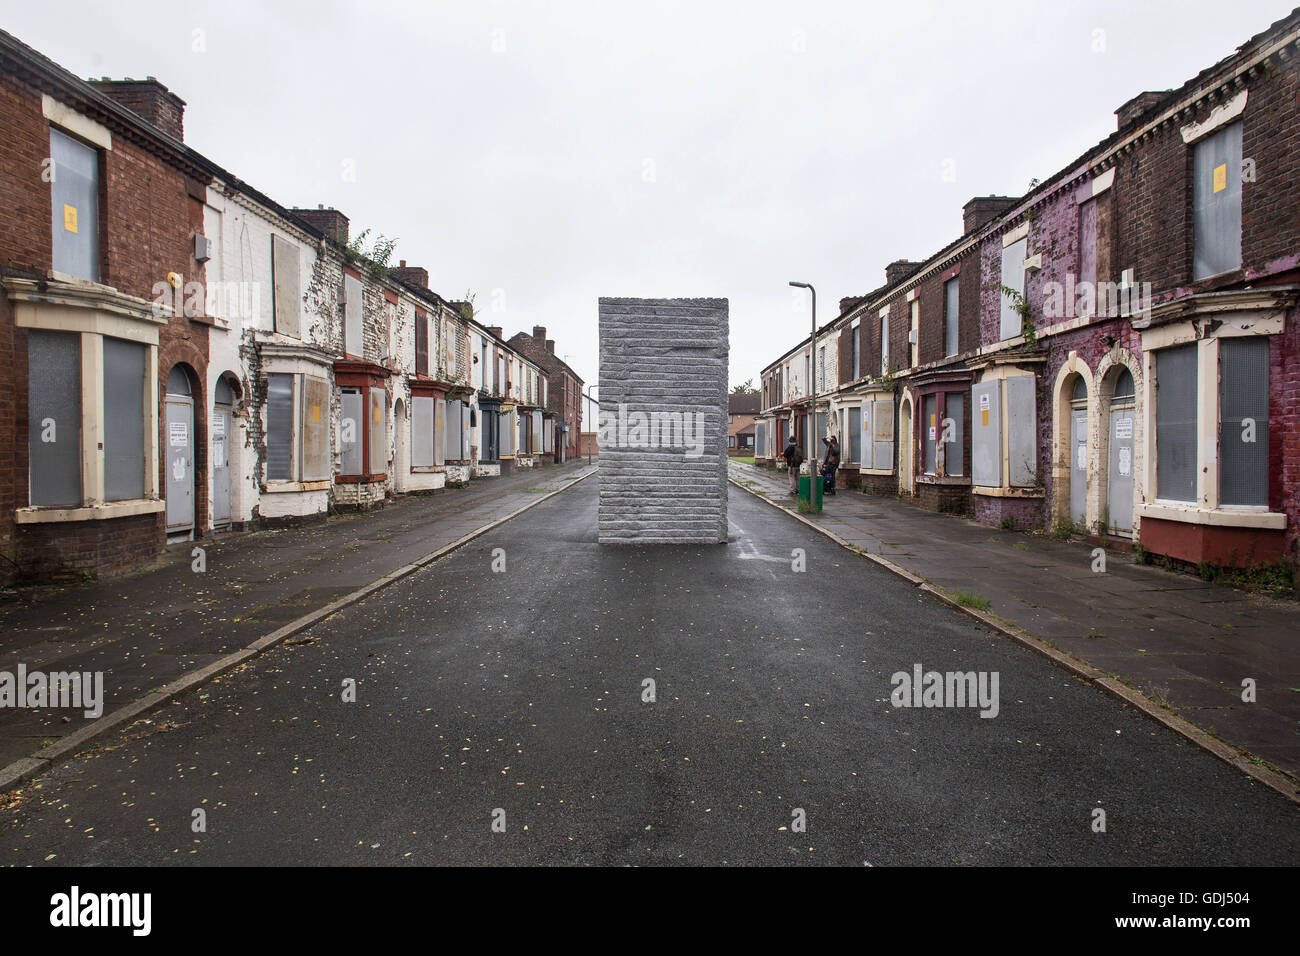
{"type": "Point", "coordinates": [179, 455]}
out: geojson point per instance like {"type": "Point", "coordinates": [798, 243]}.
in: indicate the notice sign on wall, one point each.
{"type": "Point", "coordinates": [984, 408]}
{"type": "Point", "coordinates": [1125, 461]}
{"type": "Point", "coordinates": [1123, 428]}
{"type": "Point", "coordinates": [177, 434]}
{"type": "Point", "coordinates": [69, 218]}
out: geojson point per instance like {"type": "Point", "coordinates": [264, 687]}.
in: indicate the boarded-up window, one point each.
{"type": "Point", "coordinates": [882, 418]}
{"type": "Point", "coordinates": [452, 437]}
{"type": "Point", "coordinates": [1176, 423]}
{"type": "Point", "coordinates": [352, 310]}
{"type": "Point", "coordinates": [440, 432]}
{"type": "Point", "coordinates": [1013, 277]}
{"type": "Point", "coordinates": [125, 372]}
{"type": "Point", "coordinates": [350, 433]}
{"type": "Point", "coordinates": [950, 302]}
{"type": "Point", "coordinates": [760, 439]}
{"type": "Point", "coordinates": [422, 412]}
{"type": "Point", "coordinates": [1216, 203]}
{"type": "Point", "coordinates": [1022, 430]}
{"type": "Point", "coordinates": [954, 430]}
{"type": "Point", "coordinates": [857, 352]}
{"type": "Point", "coordinates": [1243, 420]}
{"type": "Point", "coordinates": [1087, 246]}
{"type": "Point", "coordinates": [537, 431]}
{"type": "Point", "coordinates": [930, 433]}
{"type": "Point", "coordinates": [378, 431]}
{"type": "Point", "coordinates": [287, 298]}
{"type": "Point", "coordinates": [421, 343]}
{"type": "Point", "coordinates": [279, 427]}
{"type": "Point", "coordinates": [54, 418]}
{"type": "Point", "coordinates": [74, 191]}
{"type": "Point", "coordinates": [986, 434]}
{"type": "Point", "coordinates": [853, 435]}
{"type": "Point", "coordinates": [884, 344]}
{"type": "Point", "coordinates": [315, 430]}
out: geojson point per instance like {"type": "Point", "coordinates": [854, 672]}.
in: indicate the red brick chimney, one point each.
{"type": "Point", "coordinates": [411, 275]}
{"type": "Point", "coordinates": [329, 221]}
{"type": "Point", "coordinates": [494, 329]}
{"type": "Point", "coordinates": [539, 333]}
{"type": "Point", "coordinates": [149, 100]}
{"type": "Point", "coordinates": [897, 270]}
{"type": "Point", "coordinates": [550, 346]}
{"type": "Point", "coordinates": [983, 208]}
{"type": "Point", "coordinates": [1138, 105]}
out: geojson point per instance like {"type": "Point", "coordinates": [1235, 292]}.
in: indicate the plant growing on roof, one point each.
{"type": "Point", "coordinates": [375, 258]}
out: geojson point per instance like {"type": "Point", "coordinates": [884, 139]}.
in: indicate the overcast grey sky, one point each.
{"type": "Point", "coordinates": [544, 154]}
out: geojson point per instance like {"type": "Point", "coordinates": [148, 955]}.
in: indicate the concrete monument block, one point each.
{"type": "Point", "coordinates": [663, 421]}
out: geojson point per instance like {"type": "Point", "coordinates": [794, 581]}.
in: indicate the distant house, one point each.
{"type": "Point", "coordinates": [741, 410]}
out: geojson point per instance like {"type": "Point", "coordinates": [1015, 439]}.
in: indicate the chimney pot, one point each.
{"type": "Point", "coordinates": [149, 100]}
{"type": "Point", "coordinates": [981, 209]}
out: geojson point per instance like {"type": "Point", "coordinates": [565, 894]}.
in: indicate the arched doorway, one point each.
{"type": "Point", "coordinates": [906, 441]}
{"type": "Point", "coordinates": [1119, 472]}
{"type": "Point", "coordinates": [223, 411]}
{"type": "Point", "coordinates": [401, 447]}
{"type": "Point", "coordinates": [1079, 451]}
{"type": "Point", "coordinates": [178, 453]}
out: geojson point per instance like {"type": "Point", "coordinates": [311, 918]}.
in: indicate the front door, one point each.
{"type": "Point", "coordinates": [179, 458]}
{"type": "Point", "coordinates": [1078, 465]}
{"type": "Point", "coordinates": [1119, 503]}
{"type": "Point", "coordinates": [221, 466]}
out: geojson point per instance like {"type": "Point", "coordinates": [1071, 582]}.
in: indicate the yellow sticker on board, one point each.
{"type": "Point", "coordinates": [1220, 177]}
{"type": "Point", "coordinates": [984, 416]}
{"type": "Point", "coordinates": [379, 414]}
{"type": "Point", "coordinates": [69, 218]}
{"type": "Point", "coordinates": [315, 414]}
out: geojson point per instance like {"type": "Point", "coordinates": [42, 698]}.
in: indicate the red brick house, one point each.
{"type": "Point", "coordinates": [563, 400]}
{"type": "Point", "coordinates": [103, 438]}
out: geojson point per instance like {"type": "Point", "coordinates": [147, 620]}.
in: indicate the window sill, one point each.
{"type": "Point", "coordinates": [876, 471]}
{"type": "Point", "coordinates": [989, 492]}
{"type": "Point", "coordinates": [272, 487]}
{"type": "Point", "coordinates": [950, 480]}
{"type": "Point", "coordinates": [102, 512]}
{"type": "Point", "coordinates": [1216, 517]}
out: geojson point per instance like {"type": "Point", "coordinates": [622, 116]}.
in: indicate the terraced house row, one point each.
{"type": "Point", "coordinates": [1118, 349]}
{"type": "Point", "coordinates": [181, 354]}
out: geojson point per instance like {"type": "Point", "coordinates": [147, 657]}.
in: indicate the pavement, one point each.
{"type": "Point", "coordinates": [519, 698]}
{"type": "Point", "coordinates": [1185, 644]}
{"type": "Point", "coordinates": [149, 628]}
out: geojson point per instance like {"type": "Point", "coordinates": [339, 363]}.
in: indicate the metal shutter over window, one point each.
{"type": "Point", "coordinates": [451, 435]}
{"type": "Point", "coordinates": [1176, 410]}
{"type": "Point", "coordinates": [54, 418]}
{"type": "Point", "coordinates": [125, 372]}
{"type": "Point", "coordinates": [1013, 277]}
{"type": "Point", "coordinates": [986, 434]}
{"type": "Point", "coordinates": [353, 428]}
{"type": "Point", "coordinates": [286, 300]}
{"type": "Point", "coordinates": [279, 427]}
{"type": "Point", "coordinates": [74, 189]}
{"type": "Point", "coordinates": [950, 299]}
{"type": "Point", "coordinates": [1243, 420]}
{"type": "Point", "coordinates": [421, 344]}
{"type": "Point", "coordinates": [1216, 203]}
{"type": "Point", "coordinates": [853, 434]}
{"type": "Point", "coordinates": [422, 411]}
{"type": "Point", "coordinates": [1022, 431]}
{"type": "Point", "coordinates": [954, 450]}
{"type": "Point", "coordinates": [440, 432]}
{"type": "Point", "coordinates": [930, 428]}
{"type": "Point", "coordinates": [352, 309]}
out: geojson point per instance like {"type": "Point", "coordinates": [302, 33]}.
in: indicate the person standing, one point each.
{"type": "Point", "coordinates": [793, 459]}
{"type": "Point", "coordinates": [830, 463]}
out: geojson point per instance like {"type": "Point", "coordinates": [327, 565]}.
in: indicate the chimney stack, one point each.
{"type": "Point", "coordinates": [539, 333]}
{"type": "Point", "coordinates": [983, 208]}
{"type": "Point", "coordinates": [329, 221]}
{"type": "Point", "coordinates": [411, 275]}
{"type": "Point", "coordinates": [1138, 105]}
{"type": "Point", "coordinates": [494, 329]}
{"type": "Point", "coordinates": [550, 346]}
{"type": "Point", "coordinates": [898, 270]}
{"type": "Point", "coordinates": [149, 100]}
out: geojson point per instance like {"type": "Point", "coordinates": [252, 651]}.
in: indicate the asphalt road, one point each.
{"type": "Point", "coordinates": [521, 691]}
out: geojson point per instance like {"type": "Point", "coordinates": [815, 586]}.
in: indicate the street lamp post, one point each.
{"type": "Point", "coordinates": [812, 391]}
